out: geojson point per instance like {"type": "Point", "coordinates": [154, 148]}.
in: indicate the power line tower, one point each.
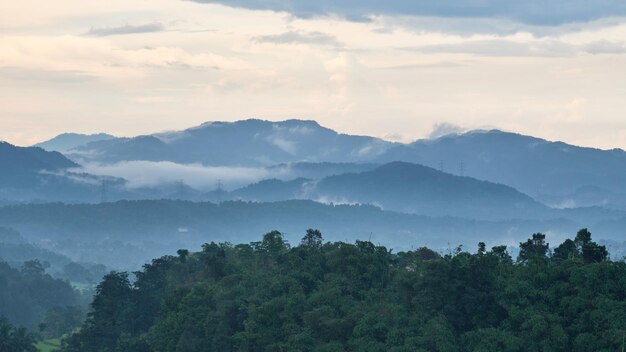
{"type": "Point", "coordinates": [461, 168]}
{"type": "Point", "coordinates": [103, 191]}
{"type": "Point", "coordinates": [441, 165]}
{"type": "Point", "coordinates": [219, 191]}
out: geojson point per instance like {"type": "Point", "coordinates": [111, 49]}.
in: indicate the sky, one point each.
{"type": "Point", "coordinates": [398, 70]}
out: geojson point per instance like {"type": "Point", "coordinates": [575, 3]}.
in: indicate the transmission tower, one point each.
{"type": "Point", "coordinates": [219, 191]}
{"type": "Point", "coordinates": [441, 165]}
{"type": "Point", "coordinates": [103, 191]}
{"type": "Point", "coordinates": [461, 168]}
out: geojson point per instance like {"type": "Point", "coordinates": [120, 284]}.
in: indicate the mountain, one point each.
{"type": "Point", "coordinates": [271, 190]}
{"type": "Point", "coordinates": [587, 196]}
{"type": "Point", "coordinates": [243, 143]}
{"type": "Point", "coordinates": [125, 233]}
{"type": "Point", "coordinates": [549, 171]}
{"type": "Point", "coordinates": [122, 235]}
{"type": "Point", "coordinates": [15, 251]}
{"type": "Point", "coordinates": [26, 166]}
{"type": "Point", "coordinates": [33, 174]}
{"type": "Point", "coordinates": [319, 170]}
{"type": "Point", "coordinates": [66, 141]}
{"type": "Point", "coordinates": [407, 188]}
{"type": "Point", "coordinates": [418, 189]}
{"type": "Point", "coordinates": [532, 165]}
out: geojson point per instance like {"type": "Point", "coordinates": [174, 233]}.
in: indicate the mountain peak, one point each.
{"type": "Point", "coordinates": [66, 141]}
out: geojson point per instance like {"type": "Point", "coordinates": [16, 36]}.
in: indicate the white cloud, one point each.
{"type": "Point", "coordinates": [149, 173]}
{"type": "Point", "coordinates": [126, 29]}
{"type": "Point", "coordinates": [444, 128]}
{"type": "Point", "coordinates": [282, 143]}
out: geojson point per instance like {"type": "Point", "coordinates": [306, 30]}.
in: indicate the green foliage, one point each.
{"type": "Point", "coordinates": [27, 294]}
{"type": "Point", "coordinates": [268, 296]}
{"type": "Point", "coordinates": [14, 339]}
{"type": "Point", "coordinates": [59, 321]}
{"type": "Point", "coordinates": [48, 345]}
{"type": "Point", "coordinates": [535, 249]}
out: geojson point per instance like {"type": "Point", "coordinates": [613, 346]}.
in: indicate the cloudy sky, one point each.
{"type": "Point", "coordinates": [390, 69]}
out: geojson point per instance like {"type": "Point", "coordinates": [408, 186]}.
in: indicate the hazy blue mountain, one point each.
{"type": "Point", "coordinates": [271, 190]}
{"type": "Point", "coordinates": [249, 142]}
{"type": "Point", "coordinates": [66, 141]}
{"type": "Point", "coordinates": [404, 187]}
{"type": "Point", "coordinates": [587, 196]}
{"type": "Point", "coordinates": [418, 189]}
{"type": "Point", "coordinates": [320, 170]}
{"type": "Point", "coordinates": [33, 174]}
{"type": "Point", "coordinates": [549, 171]}
{"type": "Point", "coordinates": [531, 165]}
{"type": "Point", "coordinates": [26, 166]}
{"type": "Point", "coordinates": [125, 233]}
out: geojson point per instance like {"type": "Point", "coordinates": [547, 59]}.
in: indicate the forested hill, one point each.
{"type": "Point", "coordinates": [269, 296]}
{"type": "Point", "coordinates": [22, 167]}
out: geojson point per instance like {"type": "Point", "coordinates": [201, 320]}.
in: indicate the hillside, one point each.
{"type": "Point", "coordinates": [126, 233]}
{"type": "Point", "coordinates": [67, 141]}
{"type": "Point", "coordinates": [553, 172]}
{"type": "Point", "coordinates": [422, 190]}
{"type": "Point", "coordinates": [271, 190]}
{"type": "Point", "coordinates": [531, 165]}
{"type": "Point", "coordinates": [23, 166]}
{"type": "Point", "coordinates": [247, 142]}
{"type": "Point", "coordinates": [404, 187]}
{"type": "Point", "coordinates": [314, 295]}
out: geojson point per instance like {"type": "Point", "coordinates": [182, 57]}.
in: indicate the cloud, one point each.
{"type": "Point", "coordinates": [285, 145]}
{"type": "Point", "coordinates": [299, 37]}
{"type": "Point", "coordinates": [443, 129]}
{"type": "Point", "coordinates": [536, 12]}
{"type": "Point", "coordinates": [532, 48]}
{"type": "Point", "coordinates": [126, 29]}
{"type": "Point", "coordinates": [149, 173]}
{"type": "Point", "coordinates": [394, 137]}
{"type": "Point", "coordinates": [55, 76]}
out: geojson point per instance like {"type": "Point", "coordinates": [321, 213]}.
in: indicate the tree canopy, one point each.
{"type": "Point", "coordinates": [316, 296]}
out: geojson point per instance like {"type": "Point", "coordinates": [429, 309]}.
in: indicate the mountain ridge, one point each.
{"type": "Point", "coordinates": [550, 171]}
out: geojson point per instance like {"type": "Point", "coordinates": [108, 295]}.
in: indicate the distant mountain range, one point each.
{"type": "Point", "coordinates": [553, 172]}
{"type": "Point", "coordinates": [125, 233]}
{"type": "Point", "coordinates": [531, 165]}
{"type": "Point", "coordinates": [33, 174]}
{"type": "Point", "coordinates": [27, 166]}
{"type": "Point", "coordinates": [242, 143]}
{"type": "Point", "coordinates": [408, 188]}
{"type": "Point", "coordinates": [67, 141]}
{"type": "Point", "coordinates": [349, 186]}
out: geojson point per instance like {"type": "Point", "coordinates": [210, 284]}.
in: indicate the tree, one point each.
{"type": "Point", "coordinates": [591, 251]}
{"type": "Point", "coordinates": [14, 339]}
{"type": "Point", "coordinates": [481, 248]}
{"type": "Point", "coordinates": [566, 250]}
{"type": "Point", "coordinates": [312, 239]}
{"type": "Point", "coordinates": [272, 243]}
{"type": "Point", "coordinates": [359, 297]}
{"type": "Point", "coordinates": [501, 253]}
{"type": "Point", "coordinates": [534, 249]}
{"type": "Point", "coordinates": [59, 321]}
{"type": "Point", "coordinates": [33, 268]}
{"type": "Point", "coordinates": [109, 316]}
{"type": "Point", "coordinates": [182, 254]}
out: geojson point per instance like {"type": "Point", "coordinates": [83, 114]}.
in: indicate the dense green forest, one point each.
{"type": "Point", "coordinates": [31, 298]}
{"type": "Point", "coordinates": [14, 339]}
{"type": "Point", "coordinates": [316, 296]}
